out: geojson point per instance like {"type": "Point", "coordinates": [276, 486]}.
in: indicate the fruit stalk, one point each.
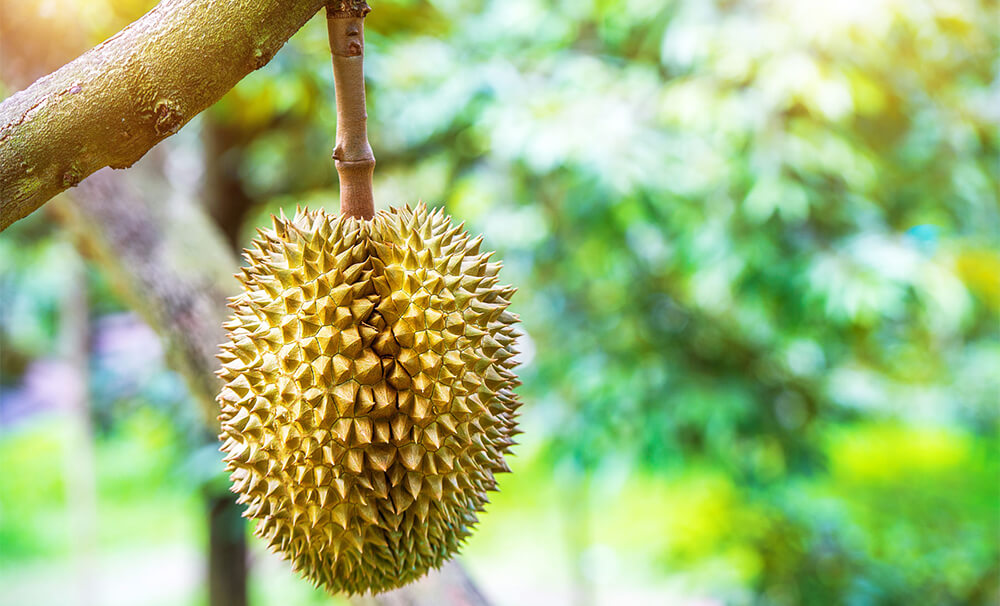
{"type": "Point", "coordinates": [353, 155]}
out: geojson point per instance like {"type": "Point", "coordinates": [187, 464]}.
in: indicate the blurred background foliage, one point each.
{"type": "Point", "coordinates": [758, 252]}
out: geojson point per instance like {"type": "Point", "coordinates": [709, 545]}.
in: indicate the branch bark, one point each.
{"type": "Point", "coordinates": [112, 104]}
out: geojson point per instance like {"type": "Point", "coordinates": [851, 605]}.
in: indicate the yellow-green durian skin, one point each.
{"type": "Point", "coordinates": [368, 399]}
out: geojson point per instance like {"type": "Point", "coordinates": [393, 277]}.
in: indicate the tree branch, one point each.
{"type": "Point", "coordinates": [112, 104]}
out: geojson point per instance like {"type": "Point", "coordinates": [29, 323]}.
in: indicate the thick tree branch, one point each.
{"type": "Point", "coordinates": [112, 104]}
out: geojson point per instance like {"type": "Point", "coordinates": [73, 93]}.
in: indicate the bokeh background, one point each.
{"type": "Point", "coordinates": [758, 251]}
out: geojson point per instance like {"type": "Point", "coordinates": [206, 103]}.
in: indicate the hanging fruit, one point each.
{"type": "Point", "coordinates": [368, 399]}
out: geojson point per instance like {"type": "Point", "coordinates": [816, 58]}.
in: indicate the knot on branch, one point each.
{"type": "Point", "coordinates": [72, 177]}
{"type": "Point", "coordinates": [169, 118]}
{"type": "Point", "coordinates": [347, 9]}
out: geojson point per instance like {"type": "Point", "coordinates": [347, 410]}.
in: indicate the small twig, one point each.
{"type": "Point", "coordinates": [353, 154]}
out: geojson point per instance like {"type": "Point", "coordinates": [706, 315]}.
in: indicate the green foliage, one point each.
{"type": "Point", "coordinates": [31, 489]}
{"type": "Point", "coordinates": [137, 486]}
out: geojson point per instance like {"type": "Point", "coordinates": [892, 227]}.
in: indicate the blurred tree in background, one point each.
{"type": "Point", "coordinates": [758, 251]}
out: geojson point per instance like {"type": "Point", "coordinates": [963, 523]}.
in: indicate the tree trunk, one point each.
{"type": "Point", "coordinates": [227, 204]}
{"type": "Point", "coordinates": [227, 553]}
{"type": "Point", "coordinates": [225, 197]}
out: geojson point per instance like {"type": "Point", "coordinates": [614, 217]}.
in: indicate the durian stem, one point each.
{"type": "Point", "coordinates": [353, 154]}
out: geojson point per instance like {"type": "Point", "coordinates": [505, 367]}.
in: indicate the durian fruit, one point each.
{"type": "Point", "coordinates": [368, 395]}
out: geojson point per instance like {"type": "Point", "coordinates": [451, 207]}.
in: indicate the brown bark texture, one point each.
{"type": "Point", "coordinates": [112, 104]}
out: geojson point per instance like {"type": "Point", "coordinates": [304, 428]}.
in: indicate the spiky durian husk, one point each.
{"type": "Point", "coordinates": [368, 399]}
